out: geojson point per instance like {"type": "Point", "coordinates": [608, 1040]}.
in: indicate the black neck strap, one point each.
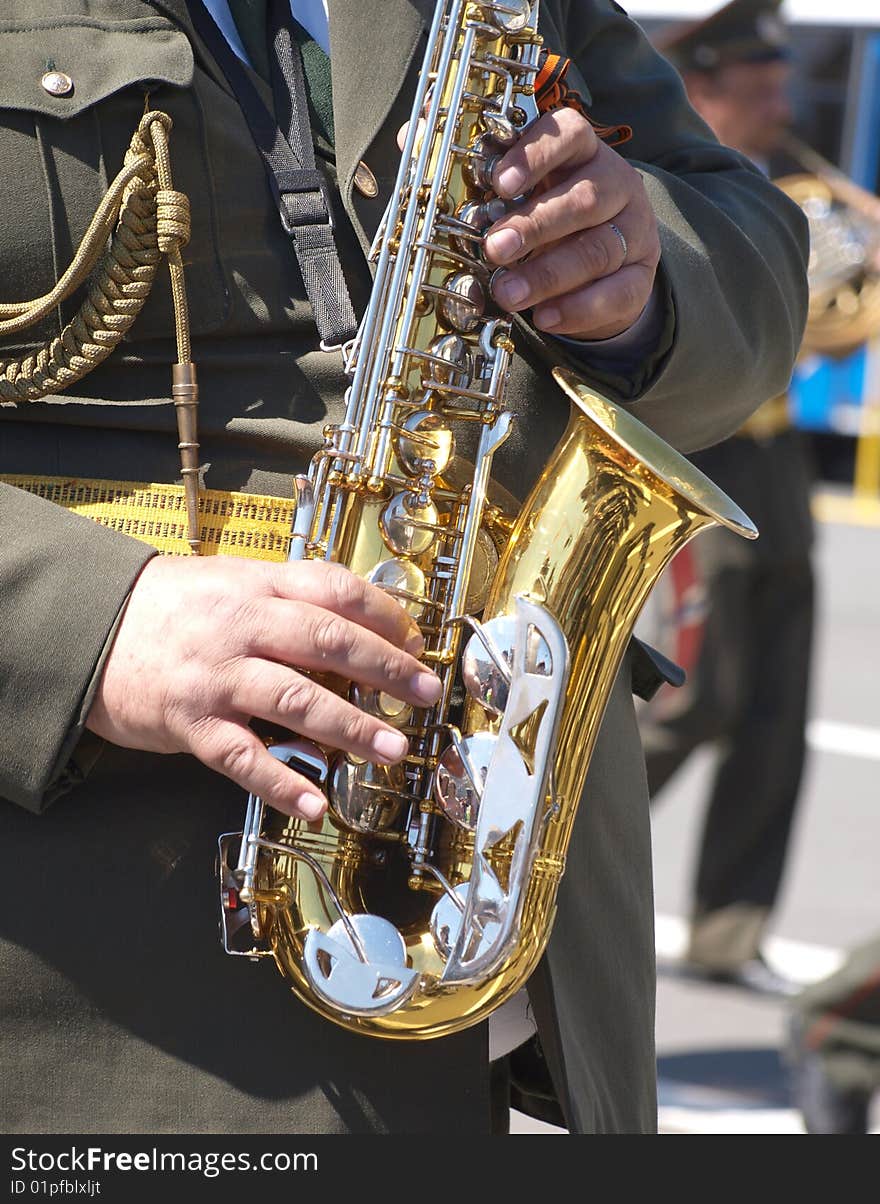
{"type": "Point", "coordinates": [299, 189]}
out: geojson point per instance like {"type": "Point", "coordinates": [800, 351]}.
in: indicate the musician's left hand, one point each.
{"type": "Point", "coordinates": [582, 279]}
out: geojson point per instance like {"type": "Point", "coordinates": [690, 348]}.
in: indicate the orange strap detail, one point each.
{"type": "Point", "coordinates": [552, 92]}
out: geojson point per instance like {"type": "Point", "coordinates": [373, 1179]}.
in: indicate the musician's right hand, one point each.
{"type": "Point", "coordinates": [205, 645]}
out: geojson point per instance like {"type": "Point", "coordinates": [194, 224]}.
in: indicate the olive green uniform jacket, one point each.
{"type": "Point", "coordinates": [118, 1011]}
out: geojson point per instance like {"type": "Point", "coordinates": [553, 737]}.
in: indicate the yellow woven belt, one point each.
{"type": "Point", "coordinates": [768, 420]}
{"type": "Point", "coordinates": [231, 524]}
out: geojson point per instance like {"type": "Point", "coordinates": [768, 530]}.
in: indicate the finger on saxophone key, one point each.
{"type": "Point", "coordinates": [389, 745]}
{"type": "Point", "coordinates": [404, 130]}
{"type": "Point", "coordinates": [414, 643]}
{"type": "Point", "coordinates": [426, 686]}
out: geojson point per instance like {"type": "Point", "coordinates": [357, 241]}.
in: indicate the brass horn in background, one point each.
{"type": "Point", "coordinates": [844, 267]}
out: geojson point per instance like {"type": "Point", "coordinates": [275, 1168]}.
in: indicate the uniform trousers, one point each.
{"type": "Point", "coordinates": [747, 693]}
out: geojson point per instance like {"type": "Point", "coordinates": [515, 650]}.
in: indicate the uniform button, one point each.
{"type": "Point", "coordinates": [57, 83]}
{"type": "Point", "coordinates": [365, 181]}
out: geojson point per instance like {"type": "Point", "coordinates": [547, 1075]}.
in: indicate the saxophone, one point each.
{"type": "Point", "coordinates": [425, 897]}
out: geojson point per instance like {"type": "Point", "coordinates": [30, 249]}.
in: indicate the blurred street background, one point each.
{"type": "Point", "coordinates": [720, 1048]}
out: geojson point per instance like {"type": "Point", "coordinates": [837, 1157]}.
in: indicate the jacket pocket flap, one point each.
{"type": "Point", "coordinates": [100, 58]}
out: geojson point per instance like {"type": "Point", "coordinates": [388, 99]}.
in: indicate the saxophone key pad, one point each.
{"type": "Point", "coordinates": [371, 980]}
{"type": "Point", "coordinates": [407, 527]}
{"type": "Point", "coordinates": [428, 437]}
{"type": "Point", "coordinates": [454, 351]}
{"type": "Point", "coordinates": [460, 777]}
{"type": "Point", "coordinates": [485, 564]}
{"type": "Point", "coordinates": [488, 657]}
{"type": "Point", "coordinates": [484, 155]}
{"type": "Point", "coordinates": [381, 705]}
{"type": "Point", "coordinates": [479, 216]}
{"type": "Point", "coordinates": [446, 923]}
{"type": "Point", "coordinates": [464, 310]}
{"type": "Point", "coordinates": [510, 16]}
{"type": "Point", "coordinates": [404, 581]}
{"type": "Point", "coordinates": [366, 797]}
{"type": "Point", "coordinates": [486, 675]}
{"type": "Point", "coordinates": [500, 127]}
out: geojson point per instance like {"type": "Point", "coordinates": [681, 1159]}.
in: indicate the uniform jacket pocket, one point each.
{"type": "Point", "coordinates": [72, 90]}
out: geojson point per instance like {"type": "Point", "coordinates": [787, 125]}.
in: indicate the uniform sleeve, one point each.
{"type": "Point", "coordinates": [63, 583]}
{"type": "Point", "coordinates": [734, 247]}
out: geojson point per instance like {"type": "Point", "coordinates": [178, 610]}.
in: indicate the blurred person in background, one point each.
{"type": "Point", "coordinates": [747, 687]}
{"type": "Point", "coordinates": [833, 1051]}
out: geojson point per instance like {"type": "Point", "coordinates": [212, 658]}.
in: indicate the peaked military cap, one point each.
{"type": "Point", "coordinates": [743, 31]}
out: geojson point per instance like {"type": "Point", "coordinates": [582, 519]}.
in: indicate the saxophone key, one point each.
{"type": "Point", "coordinates": [462, 302]}
{"type": "Point", "coordinates": [447, 919]}
{"type": "Point", "coordinates": [424, 434]}
{"type": "Point", "coordinates": [482, 158]}
{"type": "Point", "coordinates": [489, 655]}
{"type": "Point", "coordinates": [509, 16]}
{"type": "Point", "coordinates": [499, 126]}
{"type": "Point", "coordinates": [381, 705]}
{"type": "Point", "coordinates": [409, 527]}
{"type": "Point", "coordinates": [451, 359]}
{"type": "Point", "coordinates": [360, 966]}
{"type": "Point", "coordinates": [442, 656]}
{"type": "Point", "coordinates": [461, 775]}
{"type": "Point", "coordinates": [367, 797]}
{"type": "Point", "coordinates": [471, 221]}
{"type": "Point", "coordinates": [404, 581]}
